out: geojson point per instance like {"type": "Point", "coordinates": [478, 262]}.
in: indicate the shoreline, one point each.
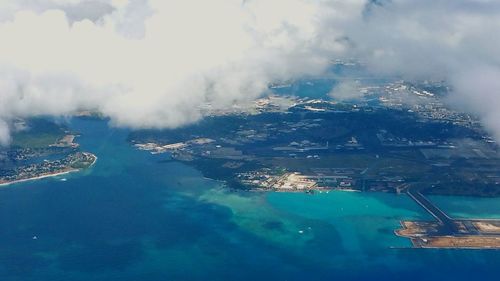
{"type": "Point", "coordinates": [49, 175]}
{"type": "Point", "coordinates": [95, 160]}
{"type": "Point", "coordinates": [39, 177]}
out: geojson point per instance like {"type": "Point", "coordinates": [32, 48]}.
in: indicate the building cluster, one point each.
{"type": "Point", "coordinates": [284, 182]}
{"type": "Point", "coordinates": [157, 148]}
{"type": "Point", "coordinates": [318, 179]}
{"type": "Point", "coordinates": [272, 103]}
{"type": "Point", "coordinates": [387, 139]}
{"type": "Point", "coordinates": [428, 106]}
{"type": "Point", "coordinates": [351, 144]}
{"type": "Point", "coordinates": [70, 162]}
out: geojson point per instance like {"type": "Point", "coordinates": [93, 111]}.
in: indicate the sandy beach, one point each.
{"type": "Point", "coordinates": [47, 175]}
{"type": "Point", "coordinates": [40, 177]}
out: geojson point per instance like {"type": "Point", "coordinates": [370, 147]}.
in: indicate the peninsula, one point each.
{"type": "Point", "coordinates": [42, 149]}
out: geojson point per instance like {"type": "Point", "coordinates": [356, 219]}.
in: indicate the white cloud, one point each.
{"type": "Point", "coordinates": [346, 90]}
{"type": "Point", "coordinates": [478, 89]}
{"type": "Point", "coordinates": [188, 52]}
{"type": "Point", "coordinates": [151, 63]}
{"type": "Point", "coordinates": [4, 133]}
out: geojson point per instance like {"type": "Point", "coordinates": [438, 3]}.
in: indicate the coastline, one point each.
{"type": "Point", "coordinates": [40, 177]}
{"type": "Point", "coordinates": [95, 160]}
{"type": "Point", "coordinates": [48, 175]}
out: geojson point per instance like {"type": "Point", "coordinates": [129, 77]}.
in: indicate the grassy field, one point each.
{"type": "Point", "coordinates": [27, 140]}
{"type": "Point", "coordinates": [40, 133]}
{"type": "Point", "coordinates": [382, 165]}
{"type": "Point", "coordinates": [360, 161]}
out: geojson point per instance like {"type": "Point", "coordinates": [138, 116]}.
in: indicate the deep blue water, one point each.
{"type": "Point", "coordinates": [136, 216]}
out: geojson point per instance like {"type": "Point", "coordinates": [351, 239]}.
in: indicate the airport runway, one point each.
{"type": "Point", "coordinates": [449, 227]}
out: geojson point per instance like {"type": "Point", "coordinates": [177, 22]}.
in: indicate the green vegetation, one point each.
{"type": "Point", "coordinates": [374, 149]}
{"type": "Point", "coordinates": [40, 133]}
{"type": "Point", "coordinates": [354, 160]}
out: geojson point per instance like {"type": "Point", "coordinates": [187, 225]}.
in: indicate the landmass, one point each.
{"type": "Point", "coordinates": [41, 149]}
{"type": "Point", "coordinates": [71, 163]}
{"type": "Point", "coordinates": [400, 137]}
{"type": "Point", "coordinates": [378, 143]}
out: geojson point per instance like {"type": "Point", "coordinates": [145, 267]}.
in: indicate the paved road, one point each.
{"type": "Point", "coordinates": [470, 227]}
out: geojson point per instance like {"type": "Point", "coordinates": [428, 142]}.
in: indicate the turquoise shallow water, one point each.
{"type": "Point", "coordinates": [469, 207]}
{"type": "Point", "coordinates": [136, 216]}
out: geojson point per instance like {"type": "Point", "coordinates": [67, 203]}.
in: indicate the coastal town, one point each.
{"type": "Point", "coordinates": [71, 163]}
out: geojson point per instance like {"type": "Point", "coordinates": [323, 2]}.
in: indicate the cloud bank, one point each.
{"type": "Point", "coordinates": [153, 63]}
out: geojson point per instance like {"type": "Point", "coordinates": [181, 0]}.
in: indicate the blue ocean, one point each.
{"type": "Point", "coordinates": [139, 217]}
